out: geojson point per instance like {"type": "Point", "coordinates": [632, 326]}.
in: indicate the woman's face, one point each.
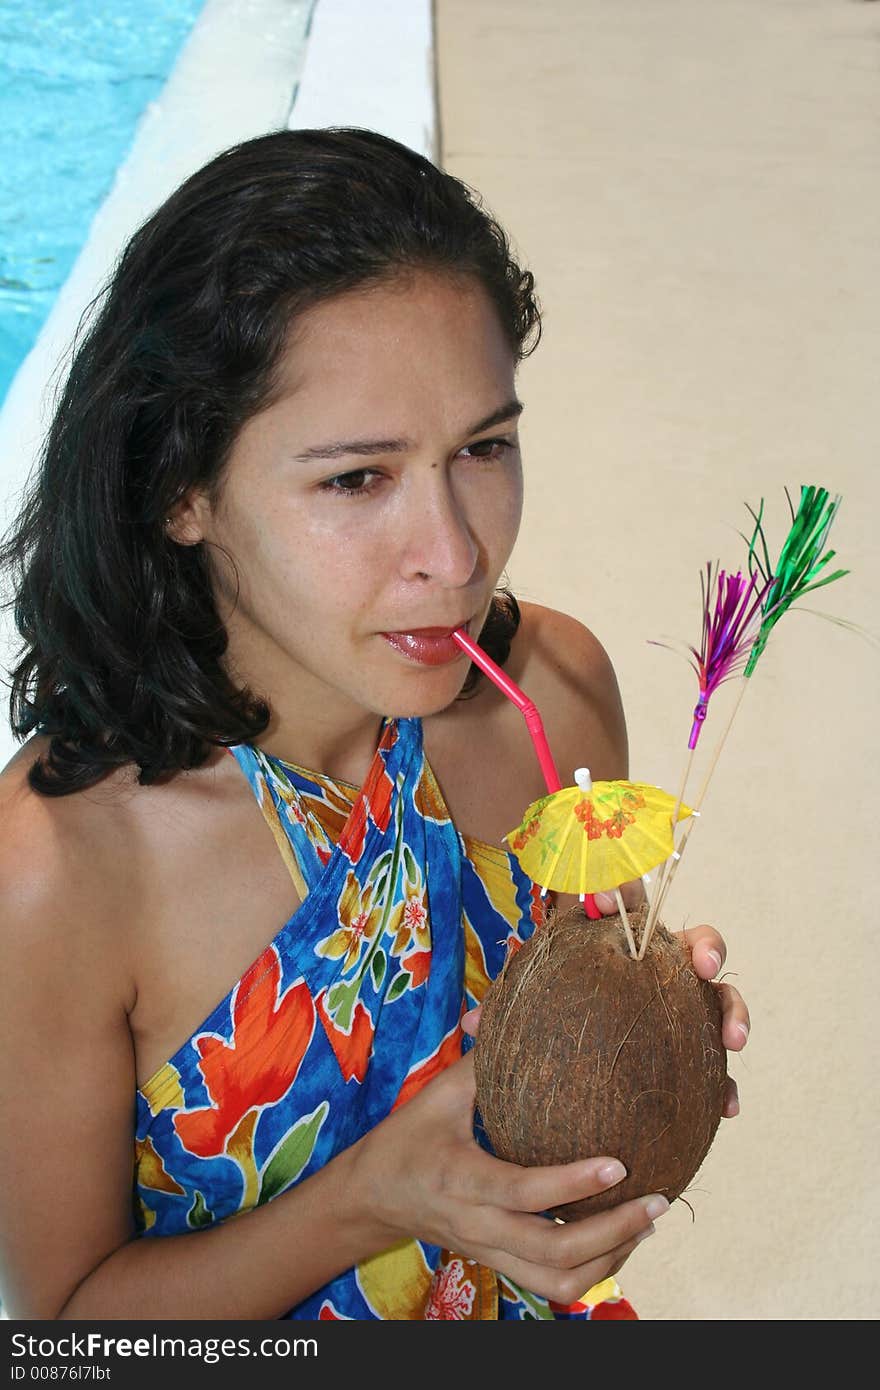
{"type": "Point", "coordinates": [372, 507]}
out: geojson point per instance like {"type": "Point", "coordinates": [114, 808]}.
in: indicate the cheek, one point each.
{"type": "Point", "coordinates": [516, 502]}
{"type": "Point", "coordinates": [496, 512]}
{"type": "Point", "coordinates": [325, 573]}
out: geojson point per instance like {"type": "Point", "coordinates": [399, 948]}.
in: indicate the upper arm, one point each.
{"type": "Point", "coordinates": [572, 681]}
{"type": "Point", "coordinates": [67, 1081]}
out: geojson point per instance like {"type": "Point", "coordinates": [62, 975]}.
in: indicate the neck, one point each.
{"type": "Point", "coordinates": [344, 754]}
{"type": "Point", "coordinates": [312, 724]}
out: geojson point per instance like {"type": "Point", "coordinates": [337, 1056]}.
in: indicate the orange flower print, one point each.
{"type": "Point", "coordinates": [539, 903]}
{"type": "Point", "coordinates": [373, 803]}
{"type": "Point", "coordinates": [451, 1297]}
{"type": "Point", "coordinates": [327, 1313]}
{"type": "Point", "coordinates": [418, 963]}
{"type": "Point", "coordinates": [587, 816]}
{"type": "Point", "coordinates": [409, 920]}
{"type": "Point", "coordinates": [603, 1302]}
{"type": "Point", "coordinates": [447, 1052]}
{"type": "Point", "coordinates": [353, 1046]}
{"type": "Point", "coordinates": [613, 1310]}
{"type": "Point", "coordinates": [616, 823]}
{"type": "Point", "coordinates": [528, 832]}
{"type": "Point", "coordinates": [415, 917]}
{"type": "Point", "coordinates": [258, 1065]}
{"type": "Point", "coordinates": [359, 921]}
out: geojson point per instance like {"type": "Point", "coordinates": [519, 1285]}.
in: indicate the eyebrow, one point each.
{"type": "Point", "coordinates": [369, 447]}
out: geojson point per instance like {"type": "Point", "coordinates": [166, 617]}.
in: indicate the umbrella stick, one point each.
{"type": "Point", "coordinates": [666, 883]}
{"type": "Point", "coordinates": [626, 926]}
{"type": "Point", "coordinates": [684, 781]}
{"type": "Point", "coordinates": [665, 871]}
{"type": "Point", "coordinates": [654, 908]}
{"type": "Point", "coordinates": [744, 683]}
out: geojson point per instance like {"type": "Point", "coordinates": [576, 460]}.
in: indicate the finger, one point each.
{"type": "Point", "coordinates": [707, 948]}
{"type": "Point", "coordinates": [562, 1288]}
{"type": "Point", "coordinates": [564, 1262]}
{"type": "Point", "coordinates": [735, 1021]}
{"type": "Point", "coordinates": [632, 892]}
{"type": "Point", "coordinates": [623, 1253]}
{"type": "Point", "coordinates": [470, 1021]}
{"type": "Point", "coordinates": [730, 1104]}
{"type": "Point", "coordinates": [493, 1182]}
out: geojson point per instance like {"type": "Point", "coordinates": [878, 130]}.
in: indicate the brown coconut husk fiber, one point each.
{"type": "Point", "coordinates": [583, 1051]}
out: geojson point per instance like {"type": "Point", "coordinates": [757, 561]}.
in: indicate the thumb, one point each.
{"type": "Point", "coordinates": [606, 903]}
{"type": "Point", "coordinates": [470, 1021]}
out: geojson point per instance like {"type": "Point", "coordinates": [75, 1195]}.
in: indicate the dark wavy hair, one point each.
{"type": "Point", "coordinates": [123, 647]}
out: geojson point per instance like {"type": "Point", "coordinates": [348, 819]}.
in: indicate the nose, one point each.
{"type": "Point", "coordinates": [439, 543]}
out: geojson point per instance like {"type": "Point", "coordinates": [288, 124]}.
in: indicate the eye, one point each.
{"type": "Point", "coordinates": [489, 450]}
{"type": "Point", "coordinates": [359, 482]}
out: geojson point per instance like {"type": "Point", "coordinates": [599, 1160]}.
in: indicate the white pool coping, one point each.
{"type": "Point", "coordinates": [366, 63]}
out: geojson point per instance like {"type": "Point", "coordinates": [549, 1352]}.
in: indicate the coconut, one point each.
{"type": "Point", "coordinates": [582, 1051]}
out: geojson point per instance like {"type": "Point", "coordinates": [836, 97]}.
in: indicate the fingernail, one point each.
{"type": "Point", "coordinates": [655, 1206]}
{"type": "Point", "coordinates": [732, 1108]}
{"type": "Point", "coordinates": [715, 956]}
{"type": "Point", "coordinates": [648, 1231]}
{"type": "Point", "coordinates": [611, 1172]}
{"type": "Point", "coordinates": [744, 1030]}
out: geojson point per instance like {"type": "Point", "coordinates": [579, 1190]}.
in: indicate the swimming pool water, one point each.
{"type": "Point", "coordinates": [74, 81]}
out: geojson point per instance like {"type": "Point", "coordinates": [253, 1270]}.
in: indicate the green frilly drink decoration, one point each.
{"type": "Point", "coordinates": [800, 562]}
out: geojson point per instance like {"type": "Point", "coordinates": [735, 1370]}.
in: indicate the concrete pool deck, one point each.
{"type": "Point", "coordinates": [695, 188]}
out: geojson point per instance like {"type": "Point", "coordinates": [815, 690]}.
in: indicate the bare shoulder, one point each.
{"type": "Point", "coordinates": [94, 863]}
{"type": "Point", "coordinates": [556, 648]}
{"type": "Point", "coordinates": [566, 670]}
{"type": "Point", "coordinates": [66, 1062]}
{"type": "Point", "coordinates": [65, 908]}
{"type": "Point", "coordinates": [57, 854]}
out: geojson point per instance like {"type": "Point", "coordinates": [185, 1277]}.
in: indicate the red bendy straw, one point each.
{"type": "Point", "coordinates": [534, 723]}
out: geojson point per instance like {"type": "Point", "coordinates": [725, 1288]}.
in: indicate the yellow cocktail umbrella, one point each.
{"type": "Point", "coordinates": [593, 836]}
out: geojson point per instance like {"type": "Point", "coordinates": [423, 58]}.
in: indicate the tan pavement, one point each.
{"type": "Point", "coordinates": [696, 190]}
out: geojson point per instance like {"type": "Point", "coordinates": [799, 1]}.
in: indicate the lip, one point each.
{"type": "Point", "coordinates": [427, 646]}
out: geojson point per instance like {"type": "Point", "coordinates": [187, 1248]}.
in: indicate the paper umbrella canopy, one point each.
{"type": "Point", "coordinates": [596, 835]}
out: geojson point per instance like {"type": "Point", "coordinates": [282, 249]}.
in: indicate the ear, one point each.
{"type": "Point", "coordinates": [187, 521]}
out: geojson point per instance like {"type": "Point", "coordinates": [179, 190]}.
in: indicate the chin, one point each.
{"type": "Point", "coordinates": [420, 704]}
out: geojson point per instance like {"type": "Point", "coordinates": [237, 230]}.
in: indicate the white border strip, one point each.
{"type": "Point", "coordinates": [372, 65]}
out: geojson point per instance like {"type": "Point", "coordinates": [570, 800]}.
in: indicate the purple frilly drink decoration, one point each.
{"type": "Point", "coordinates": [731, 620]}
{"type": "Point", "coordinates": [729, 632]}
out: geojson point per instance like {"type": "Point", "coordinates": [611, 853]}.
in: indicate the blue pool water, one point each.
{"type": "Point", "coordinates": [75, 78]}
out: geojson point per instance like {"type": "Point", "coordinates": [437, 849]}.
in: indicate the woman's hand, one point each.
{"type": "Point", "coordinates": [708, 953]}
{"type": "Point", "coordinates": [421, 1173]}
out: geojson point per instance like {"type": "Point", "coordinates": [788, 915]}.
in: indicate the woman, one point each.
{"type": "Point", "coordinates": [283, 469]}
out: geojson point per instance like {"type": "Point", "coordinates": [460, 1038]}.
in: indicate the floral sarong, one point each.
{"type": "Point", "coordinates": [350, 1009]}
